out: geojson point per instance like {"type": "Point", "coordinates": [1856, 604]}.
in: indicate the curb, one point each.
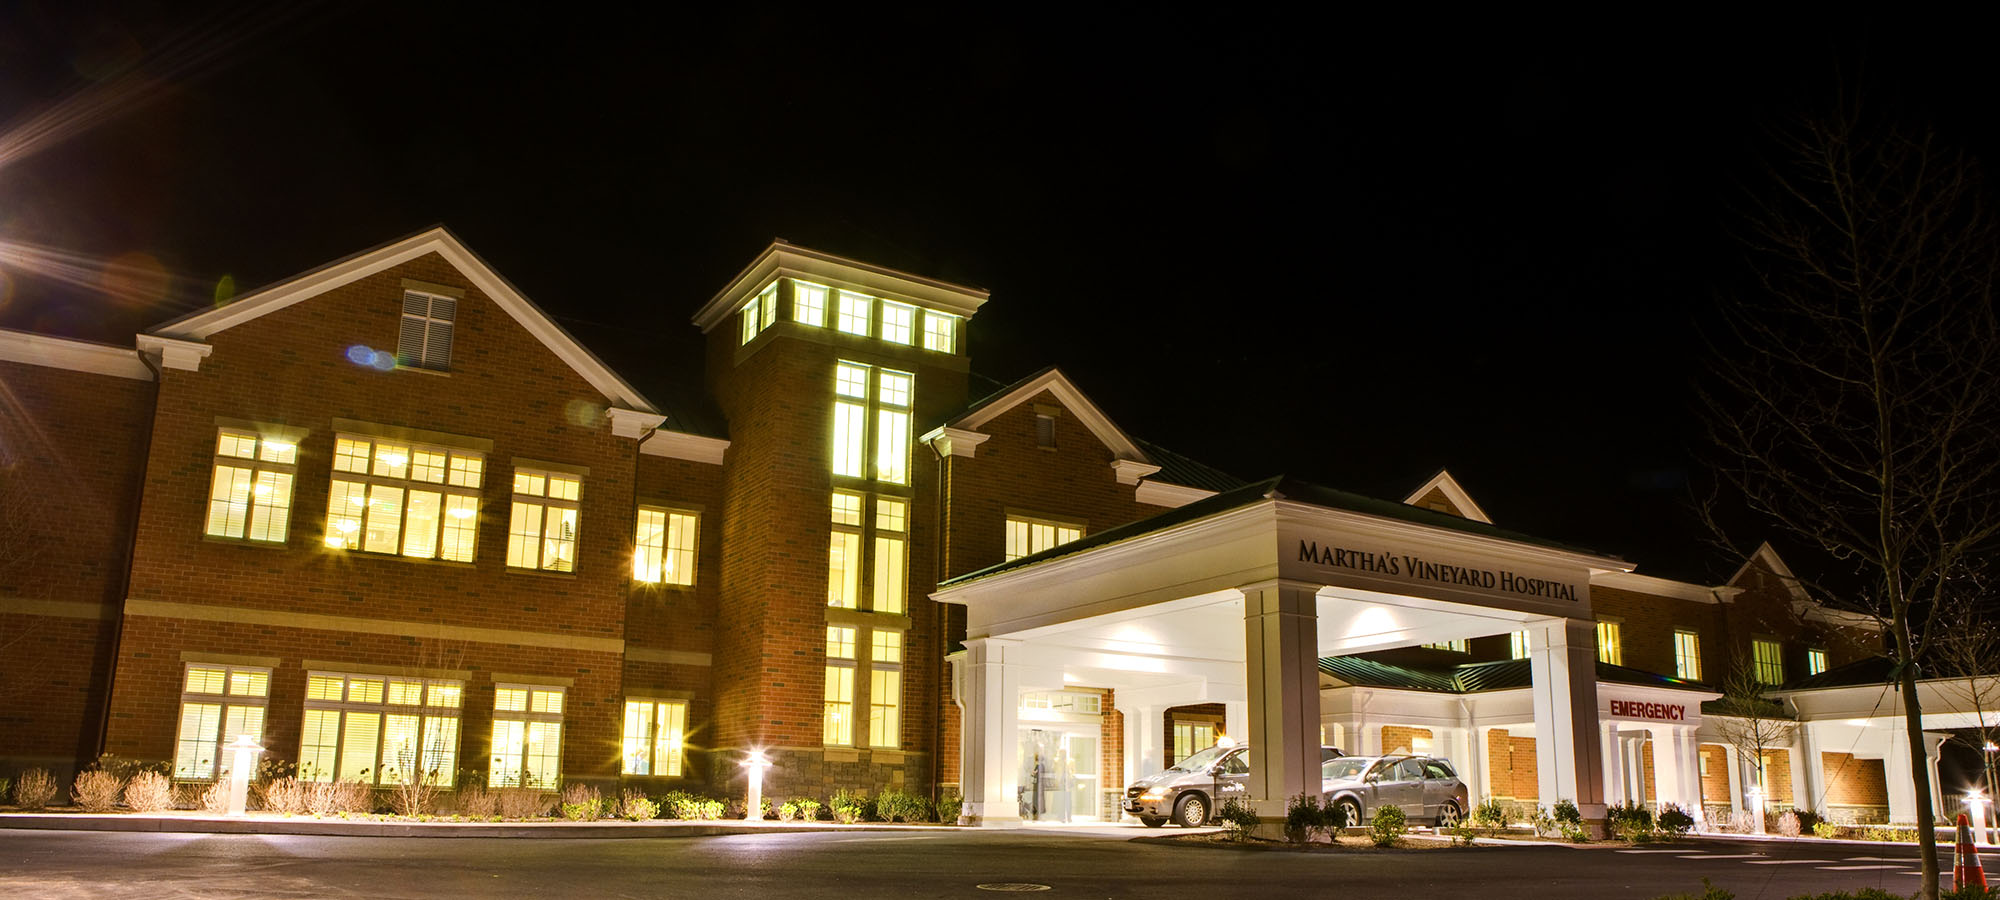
{"type": "Point", "coordinates": [339, 828]}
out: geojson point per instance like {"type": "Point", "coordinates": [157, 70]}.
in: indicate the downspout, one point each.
{"type": "Point", "coordinates": [131, 557]}
{"type": "Point", "coordinates": [938, 638]}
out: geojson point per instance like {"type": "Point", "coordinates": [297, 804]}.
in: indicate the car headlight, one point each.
{"type": "Point", "coordinates": [1152, 794]}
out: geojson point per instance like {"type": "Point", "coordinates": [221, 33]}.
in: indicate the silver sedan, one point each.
{"type": "Point", "coordinates": [1425, 787]}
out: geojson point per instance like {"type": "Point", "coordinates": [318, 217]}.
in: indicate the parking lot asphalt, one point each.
{"type": "Point", "coordinates": [1093, 862]}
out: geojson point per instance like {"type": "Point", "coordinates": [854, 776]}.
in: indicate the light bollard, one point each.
{"type": "Point", "coordinates": [1757, 810]}
{"type": "Point", "coordinates": [243, 761]}
{"type": "Point", "coordinates": [1981, 807]}
{"type": "Point", "coordinates": [753, 803]}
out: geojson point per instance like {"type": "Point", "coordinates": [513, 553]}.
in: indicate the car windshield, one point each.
{"type": "Point", "coordinates": [1347, 768]}
{"type": "Point", "coordinates": [1200, 761]}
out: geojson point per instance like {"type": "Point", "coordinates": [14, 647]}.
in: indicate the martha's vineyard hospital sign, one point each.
{"type": "Point", "coordinates": [1417, 568]}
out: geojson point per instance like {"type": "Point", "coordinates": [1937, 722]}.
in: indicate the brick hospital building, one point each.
{"type": "Point", "coordinates": [386, 517]}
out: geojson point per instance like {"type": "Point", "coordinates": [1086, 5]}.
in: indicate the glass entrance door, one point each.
{"type": "Point", "coordinates": [1047, 782]}
{"type": "Point", "coordinates": [1084, 764]}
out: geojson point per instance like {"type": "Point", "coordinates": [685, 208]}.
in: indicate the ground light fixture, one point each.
{"type": "Point", "coordinates": [243, 760]}
{"type": "Point", "coordinates": [1757, 810]}
{"type": "Point", "coordinates": [1980, 805]}
{"type": "Point", "coordinates": [753, 804]}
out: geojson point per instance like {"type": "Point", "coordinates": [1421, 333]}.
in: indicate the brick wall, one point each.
{"type": "Point", "coordinates": [1855, 782]}
{"type": "Point", "coordinates": [72, 447]}
{"type": "Point", "coordinates": [1715, 781]}
{"type": "Point", "coordinates": [1778, 776]}
{"type": "Point", "coordinates": [1510, 766]}
{"type": "Point", "coordinates": [1647, 625]}
{"type": "Point", "coordinates": [1402, 738]}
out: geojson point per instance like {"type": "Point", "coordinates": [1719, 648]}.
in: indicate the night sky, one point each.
{"type": "Point", "coordinates": [1345, 248]}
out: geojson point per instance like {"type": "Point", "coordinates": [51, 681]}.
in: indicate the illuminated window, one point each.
{"type": "Point", "coordinates": [838, 712]}
{"type": "Point", "coordinates": [899, 323]}
{"type": "Point", "coordinates": [1815, 662]}
{"type": "Point", "coordinates": [218, 704]}
{"type": "Point", "coordinates": [250, 495]}
{"type": "Point", "coordinates": [541, 533]}
{"type": "Point", "coordinates": [751, 323]}
{"type": "Point", "coordinates": [1458, 646]}
{"type": "Point", "coordinates": [891, 574]}
{"type": "Point", "coordinates": [1519, 648]}
{"type": "Point", "coordinates": [940, 332]}
{"type": "Point", "coordinates": [654, 733]}
{"type": "Point", "coordinates": [663, 550]}
{"type": "Point", "coordinates": [1687, 655]}
{"type": "Point", "coordinates": [892, 427]}
{"type": "Point", "coordinates": [768, 303]}
{"type": "Point", "coordinates": [885, 696]}
{"type": "Point", "coordinates": [1610, 649]}
{"type": "Point", "coordinates": [1769, 659]}
{"type": "Point", "coordinates": [893, 393]}
{"type": "Point", "coordinates": [380, 730]}
{"type": "Point", "coordinates": [809, 303]}
{"type": "Point", "coordinates": [1191, 738]}
{"type": "Point", "coordinates": [406, 499]}
{"type": "Point", "coordinates": [527, 736]}
{"type": "Point", "coordinates": [843, 579]}
{"type": "Point", "coordinates": [1026, 536]}
{"type": "Point", "coordinates": [760, 312]}
{"type": "Point", "coordinates": [425, 339]}
{"type": "Point", "coordinates": [855, 310]}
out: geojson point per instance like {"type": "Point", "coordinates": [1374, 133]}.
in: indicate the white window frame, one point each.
{"type": "Point", "coordinates": [889, 569]}
{"type": "Point", "coordinates": [899, 322]}
{"type": "Point", "coordinates": [664, 545]}
{"type": "Point", "coordinates": [1029, 535]}
{"type": "Point", "coordinates": [657, 747]}
{"type": "Point", "coordinates": [460, 475]}
{"type": "Point", "coordinates": [539, 502]}
{"type": "Point", "coordinates": [844, 560]}
{"type": "Point", "coordinates": [244, 695]}
{"type": "Point", "coordinates": [1816, 661]}
{"type": "Point", "coordinates": [256, 503]}
{"type": "Point", "coordinates": [837, 710]}
{"type": "Point", "coordinates": [1767, 668]}
{"type": "Point", "coordinates": [809, 303]}
{"type": "Point", "coordinates": [940, 332]}
{"type": "Point", "coordinates": [437, 704]}
{"type": "Point", "coordinates": [885, 679]}
{"type": "Point", "coordinates": [527, 718]}
{"type": "Point", "coordinates": [427, 327]}
{"type": "Point", "coordinates": [1687, 654]}
{"type": "Point", "coordinates": [853, 313]}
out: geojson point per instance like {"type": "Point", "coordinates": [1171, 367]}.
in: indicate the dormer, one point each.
{"type": "Point", "coordinates": [1442, 493]}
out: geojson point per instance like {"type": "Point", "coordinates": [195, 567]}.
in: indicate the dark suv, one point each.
{"type": "Point", "coordinates": [1190, 791]}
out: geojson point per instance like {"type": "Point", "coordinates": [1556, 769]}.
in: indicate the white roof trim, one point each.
{"type": "Point", "coordinates": [75, 356]}
{"type": "Point", "coordinates": [681, 445]}
{"type": "Point", "coordinates": [201, 325]}
{"type": "Point", "coordinates": [1777, 567]}
{"type": "Point", "coordinates": [1054, 382]}
{"type": "Point", "coordinates": [949, 441]}
{"type": "Point", "coordinates": [1659, 587]}
{"type": "Point", "coordinates": [1160, 493]}
{"type": "Point", "coordinates": [633, 424]}
{"type": "Point", "coordinates": [1453, 492]}
{"type": "Point", "coordinates": [785, 260]}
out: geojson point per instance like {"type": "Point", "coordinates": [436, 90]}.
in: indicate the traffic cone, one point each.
{"type": "Point", "coordinates": [1965, 870]}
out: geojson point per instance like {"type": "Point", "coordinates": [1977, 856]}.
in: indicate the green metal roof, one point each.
{"type": "Point", "coordinates": [1473, 678]}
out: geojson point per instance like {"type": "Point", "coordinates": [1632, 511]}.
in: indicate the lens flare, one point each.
{"type": "Point", "coordinates": [135, 279]}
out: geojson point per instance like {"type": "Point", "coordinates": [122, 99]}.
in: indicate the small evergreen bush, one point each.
{"type": "Point", "coordinates": [808, 808]}
{"type": "Point", "coordinates": [1489, 814]}
{"type": "Point", "coordinates": [1674, 821]}
{"type": "Point", "coordinates": [1387, 828]}
{"type": "Point", "coordinates": [1236, 817]}
{"type": "Point", "coordinates": [634, 805]}
{"type": "Point", "coordinates": [950, 805]}
{"type": "Point", "coordinates": [1629, 821]}
{"type": "Point", "coordinates": [900, 806]}
{"type": "Point", "coordinates": [580, 802]}
{"type": "Point", "coordinates": [1303, 818]}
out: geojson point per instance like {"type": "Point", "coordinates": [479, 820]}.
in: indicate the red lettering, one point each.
{"type": "Point", "coordinates": [1668, 712]}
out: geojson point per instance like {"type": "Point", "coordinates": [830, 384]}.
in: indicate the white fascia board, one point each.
{"type": "Point", "coordinates": [75, 356]}
{"type": "Point", "coordinates": [201, 325]}
{"type": "Point", "coordinates": [1814, 612]}
{"type": "Point", "coordinates": [681, 445]}
{"type": "Point", "coordinates": [1131, 470]}
{"type": "Point", "coordinates": [632, 423]}
{"type": "Point", "coordinates": [1086, 412]}
{"type": "Point", "coordinates": [1172, 496]}
{"type": "Point", "coordinates": [174, 353]}
{"type": "Point", "coordinates": [1658, 587]}
{"type": "Point", "coordinates": [783, 260]}
{"type": "Point", "coordinates": [949, 441]}
{"type": "Point", "coordinates": [1443, 481]}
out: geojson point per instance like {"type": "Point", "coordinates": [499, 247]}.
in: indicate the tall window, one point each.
{"type": "Point", "coordinates": [1815, 662]}
{"type": "Point", "coordinates": [760, 312]}
{"type": "Point", "coordinates": [885, 689]}
{"type": "Point", "coordinates": [892, 426]}
{"type": "Point", "coordinates": [891, 574]}
{"type": "Point", "coordinates": [940, 331]}
{"type": "Point", "coordinates": [1610, 648]}
{"type": "Point", "coordinates": [542, 532]}
{"type": "Point", "coordinates": [854, 313]}
{"type": "Point", "coordinates": [1026, 536]}
{"type": "Point", "coordinates": [663, 550]}
{"type": "Point", "coordinates": [850, 420]}
{"type": "Point", "coordinates": [218, 704]}
{"type": "Point", "coordinates": [809, 303]}
{"type": "Point", "coordinates": [402, 498]}
{"type": "Point", "coordinates": [838, 715]}
{"type": "Point", "coordinates": [654, 731]}
{"type": "Point", "coordinates": [1191, 738]}
{"type": "Point", "coordinates": [1687, 655]}
{"type": "Point", "coordinates": [527, 736]}
{"type": "Point", "coordinates": [380, 730]}
{"type": "Point", "coordinates": [856, 388]}
{"type": "Point", "coordinates": [1045, 431]}
{"type": "Point", "coordinates": [250, 496]}
{"type": "Point", "coordinates": [899, 323]}
{"type": "Point", "coordinates": [1519, 648]}
{"type": "Point", "coordinates": [1768, 657]}
{"type": "Point", "coordinates": [843, 576]}
{"type": "Point", "coordinates": [425, 339]}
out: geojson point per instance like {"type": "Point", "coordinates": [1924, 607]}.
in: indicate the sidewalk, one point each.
{"type": "Point", "coordinates": [258, 823]}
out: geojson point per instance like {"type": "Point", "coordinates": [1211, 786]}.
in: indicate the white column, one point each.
{"type": "Point", "coordinates": [1469, 742]}
{"type": "Point", "coordinates": [990, 733]}
{"type": "Point", "coordinates": [1670, 766]}
{"type": "Point", "coordinates": [1145, 736]}
{"type": "Point", "coordinates": [1808, 770]}
{"type": "Point", "coordinates": [1734, 771]}
{"type": "Point", "coordinates": [1281, 667]}
{"type": "Point", "coordinates": [1562, 656]}
{"type": "Point", "coordinates": [1614, 764]}
{"type": "Point", "coordinates": [1900, 775]}
{"type": "Point", "coordinates": [1236, 716]}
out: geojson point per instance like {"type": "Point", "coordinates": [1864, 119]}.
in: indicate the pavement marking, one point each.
{"type": "Point", "coordinates": [1901, 859]}
{"type": "Point", "coordinates": [1012, 887]}
{"type": "Point", "coordinates": [1856, 868]}
{"type": "Point", "coordinates": [1649, 851]}
{"type": "Point", "coordinates": [1786, 862]}
{"type": "Point", "coordinates": [1725, 856]}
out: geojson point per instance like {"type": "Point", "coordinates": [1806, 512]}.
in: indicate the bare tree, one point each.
{"type": "Point", "coordinates": [1965, 652]}
{"type": "Point", "coordinates": [1854, 400]}
{"type": "Point", "coordinates": [1753, 725]}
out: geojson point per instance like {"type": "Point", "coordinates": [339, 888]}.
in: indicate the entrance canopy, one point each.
{"type": "Point", "coordinates": [1234, 599]}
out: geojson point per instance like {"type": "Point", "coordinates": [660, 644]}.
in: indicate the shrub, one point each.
{"type": "Point", "coordinates": [523, 802]}
{"type": "Point", "coordinates": [214, 798]}
{"type": "Point", "coordinates": [1867, 893]}
{"type": "Point", "coordinates": [680, 805]}
{"type": "Point", "coordinates": [1543, 823]}
{"type": "Point", "coordinates": [125, 768]}
{"type": "Point", "coordinates": [34, 789]}
{"type": "Point", "coordinates": [1674, 821]}
{"type": "Point", "coordinates": [97, 791]}
{"type": "Point", "coordinates": [808, 808]}
{"type": "Point", "coordinates": [788, 811]}
{"type": "Point", "coordinates": [1808, 820]}
{"type": "Point", "coordinates": [1971, 893]}
{"type": "Point", "coordinates": [581, 802]}
{"type": "Point", "coordinates": [1387, 828]}
{"type": "Point", "coordinates": [327, 798]}
{"type": "Point", "coordinates": [416, 794]}
{"type": "Point", "coordinates": [901, 806]}
{"type": "Point", "coordinates": [636, 806]}
{"type": "Point", "coordinates": [1489, 814]}
{"type": "Point", "coordinates": [1709, 892]}
{"type": "Point", "coordinates": [1566, 813]}
{"type": "Point", "coordinates": [476, 802]}
{"type": "Point", "coordinates": [284, 796]}
{"type": "Point", "coordinates": [1463, 834]}
{"type": "Point", "coordinates": [1236, 817]}
{"type": "Point", "coordinates": [1787, 824]}
{"type": "Point", "coordinates": [1825, 830]}
{"type": "Point", "coordinates": [950, 805]}
{"type": "Point", "coordinates": [850, 807]}
{"type": "Point", "coordinates": [1629, 821]}
{"type": "Point", "coordinates": [149, 792]}
{"type": "Point", "coordinates": [1302, 818]}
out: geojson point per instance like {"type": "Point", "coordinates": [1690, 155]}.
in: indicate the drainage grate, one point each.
{"type": "Point", "coordinates": [1016, 887]}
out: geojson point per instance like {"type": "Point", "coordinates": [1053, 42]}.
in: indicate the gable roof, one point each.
{"type": "Point", "coordinates": [1052, 380]}
{"type": "Point", "coordinates": [1472, 678]}
{"type": "Point", "coordinates": [1443, 483]}
{"type": "Point", "coordinates": [1769, 557]}
{"type": "Point", "coordinates": [199, 325]}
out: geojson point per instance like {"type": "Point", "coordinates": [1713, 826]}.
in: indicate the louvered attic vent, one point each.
{"type": "Point", "coordinates": [425, 341]}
